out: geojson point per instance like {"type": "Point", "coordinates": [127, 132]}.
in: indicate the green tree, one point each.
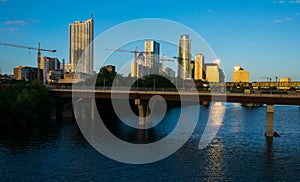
{"type": "Point", "coordinates": [24, 104]}
{"type": "Point", "coordinates": [105, 77]}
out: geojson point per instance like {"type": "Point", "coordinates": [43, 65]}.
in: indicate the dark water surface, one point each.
{"type": "Point", "coordinates": [238, 152]}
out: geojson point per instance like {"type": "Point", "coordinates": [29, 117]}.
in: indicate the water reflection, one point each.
{"type": "Point", "coordinates": [216, 114]}
{"type": "Point", "coordinates": [215, 164]}
{"type": "Point", "coordinates": [243, 154]}
{"type": "Point", "coordinates": [269, 158]}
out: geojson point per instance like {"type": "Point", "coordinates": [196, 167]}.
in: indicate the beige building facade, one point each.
{"type": "Point", "coordinates": [214, 73]}
{"type": "Point", "coordinates": [199, 67]}
{"type": "Point", "coordinates": [81, 36]}
{"type": "Point", "coordinates": [241, 75]}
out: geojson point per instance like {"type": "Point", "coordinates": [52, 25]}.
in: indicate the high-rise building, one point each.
{"type": "Point", "coordinates": [152, 56]}
{"type": "Point", "coordinates": [137, 66]}
{"type": "Point", "coordinates": [133, 69]}
{"type": "Point", "coordinates": [81, 49]}
{"type": "Point", "coordinates": [199, 67]}
{"type": "Point", "coordinates": [49, 64]}
{"type": "Point", "coordinates": [148, 63]}
{"type": "Point", "coordinates": [184, 58]}
{"type": "Point", "coordinates": [214, 73]}
{"type": "Point", "coordinates": [240, 75]}
{"type": "Point", "coordinates": [140, 67]}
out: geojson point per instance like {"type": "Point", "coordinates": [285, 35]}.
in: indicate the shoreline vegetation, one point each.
{"type": "Point", "coordinates": [24, 104]}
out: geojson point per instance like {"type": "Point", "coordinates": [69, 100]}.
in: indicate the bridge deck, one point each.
{"type": "Point", "coordinates": [270, 99]}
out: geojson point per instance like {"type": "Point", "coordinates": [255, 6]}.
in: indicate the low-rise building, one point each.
{"type": "Point", "coordinates": [287, 79]}
{"type": "Point", "coordinates": [240, 75]}
{"type": "Point", "coordinates": [25, 73]}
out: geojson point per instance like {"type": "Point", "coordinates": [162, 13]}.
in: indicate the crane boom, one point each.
{"type": "Point", "coordinates": [135, 52]}
{"type": "Point", "coordinates": [32, 48]}
{"type": "Point", "coordinates": [25, 47]}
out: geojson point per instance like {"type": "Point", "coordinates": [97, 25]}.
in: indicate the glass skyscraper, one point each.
{"type": "Point", "coordinates": [152, 56]}
{"type": "Point", "coordinates": [184, 57]}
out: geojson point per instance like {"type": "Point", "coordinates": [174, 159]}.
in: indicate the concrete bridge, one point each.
{"type": "Point", "coordinates": [142, 97]}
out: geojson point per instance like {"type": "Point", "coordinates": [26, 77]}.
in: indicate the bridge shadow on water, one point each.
{"type": "Point", "coordinates": [133, 135]}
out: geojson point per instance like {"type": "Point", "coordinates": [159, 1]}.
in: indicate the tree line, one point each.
{"type": "Point", "coordinates": [24, 104]}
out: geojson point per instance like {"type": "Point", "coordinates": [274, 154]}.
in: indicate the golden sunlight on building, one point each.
{"type": "Point", "coordinates": [199, 67]}
{"type": "Point", "coordinates": [214, 73]}
{"type": "Point", "coordinates": [240, 75]}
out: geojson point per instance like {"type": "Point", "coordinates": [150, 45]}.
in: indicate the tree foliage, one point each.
{"type": "Point", "coordinates": [24, 104]}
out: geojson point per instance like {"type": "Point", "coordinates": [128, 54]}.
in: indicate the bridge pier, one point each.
{"type": "Point", "coordinates": [144, 112]}
{"type": "Point", "coordinates": [270, 121]}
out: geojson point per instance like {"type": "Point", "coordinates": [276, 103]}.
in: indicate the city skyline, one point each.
{"type": "Point", "coordinates": [261, 36]}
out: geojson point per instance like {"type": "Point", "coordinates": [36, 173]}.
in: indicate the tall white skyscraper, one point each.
{"type": "Point", "coordinates": [184, 57]}
{"type": "Point", "coordinates": [81, 36]}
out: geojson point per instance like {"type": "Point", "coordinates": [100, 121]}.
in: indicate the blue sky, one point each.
{"type": "Point", "coordinates": [261, 35]}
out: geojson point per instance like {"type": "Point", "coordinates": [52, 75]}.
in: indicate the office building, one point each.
{"type": "Point", "coordinates": [214, 73]}
{"type": "Point", "coordinates": [192, 67]}
{"type": "Point", "coordinates": [240, 75]}
{"type": "Point", "coordinates": [184, 58]}
{"type": "Point", "coordinates": [199, 67]}
{"type": "Point", "coordinates": [81, 36]}
{"type": "Point", "coordinates": [48, 65]}
{"type": "Point", "coordinates": [287, 79]}
{"type": "Point", "coordinates": [137, 68]}
{"type": "Point", "coordinates": [133, 69]}
{"type": "Point", "coordinates": [147, 63]}
{"type": "Point", "coordinates": [25, 73]}
{"type": "Point", "coordinates": [151, 56]}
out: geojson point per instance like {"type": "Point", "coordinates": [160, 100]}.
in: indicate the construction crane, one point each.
{"type": "Point", "coordinates": [135, 52]}
{"type": "Point", "coordinates": [31, 48]}
{"type": "Point", "coordinates": [162, 59]}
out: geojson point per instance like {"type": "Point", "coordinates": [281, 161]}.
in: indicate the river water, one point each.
{"type": "Point", "coordinates": [239, 152]}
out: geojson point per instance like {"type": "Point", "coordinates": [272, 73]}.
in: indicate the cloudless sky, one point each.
{"type": "Point", "coordinates": [261, 35]}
